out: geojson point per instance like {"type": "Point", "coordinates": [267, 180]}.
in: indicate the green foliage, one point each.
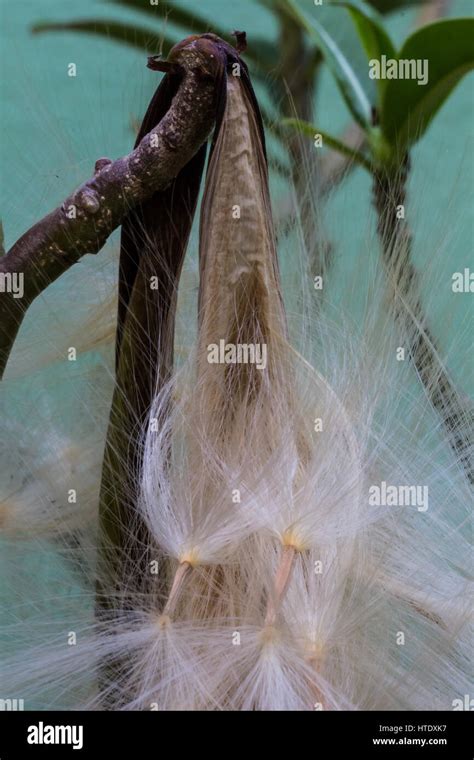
{"type": "Point", "coordinates": [189, 20]}
{"type": "Point", "coordinates": [136, 36]}
{"type": "Point", "coordinates": [261, 52]}
{"type": "Point", "coordinates": [408, 108]}
{"type": "Point", "coordinates": [382, 6]}
{"type": "Point", "coordinates": [405, 108]}
{"type": "Point", "coordinates": [375, 39]}
{"type": "Point", "coordinates": [388, 6]}
{"type": "Point", "coordinates": [348, 82]}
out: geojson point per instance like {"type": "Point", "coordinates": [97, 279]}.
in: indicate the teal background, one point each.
{"type": "Point", "coordinates": [54, 127]}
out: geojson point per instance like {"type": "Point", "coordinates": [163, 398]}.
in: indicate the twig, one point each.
{"type": "Point", "coordinates": [84, 221]}
{"type": "Point", "coordinates": [389, 191]}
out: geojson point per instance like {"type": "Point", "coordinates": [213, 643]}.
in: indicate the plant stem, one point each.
{"type": "Point", "coordinates": [389, 192]}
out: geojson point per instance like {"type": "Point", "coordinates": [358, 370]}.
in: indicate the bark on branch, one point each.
{"type": "Point", "coordinates": [84, 221]}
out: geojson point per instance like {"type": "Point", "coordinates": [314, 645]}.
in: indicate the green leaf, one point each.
{"type": "Point", "coordinates": [373, 36]}
{"type": "Point", "coordinates": [178, 15]}
{"type": "Point", "coordinates": [152, 41]}
{"type": "Point", "coordinates": [331, 142]}
{"type": "Point", "coordinates": [388, 6]}
{"type": "Point", "coordinates": [407, 107]}
{"type": "Point", "coordinates": [2, 240]}
{"type": "Point", "coordinates": [138, 37]}
{"type": "Point", "coordinates": [346, 78]}
{"type": "Point", "coordinates": [260, 51]}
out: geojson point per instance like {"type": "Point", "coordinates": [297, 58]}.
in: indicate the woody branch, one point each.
{"type": "Point", "coordinates": [86, 218]}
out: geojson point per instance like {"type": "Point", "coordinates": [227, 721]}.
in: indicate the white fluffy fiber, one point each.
{"type": "Point", "coordinates": [333, 645]}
